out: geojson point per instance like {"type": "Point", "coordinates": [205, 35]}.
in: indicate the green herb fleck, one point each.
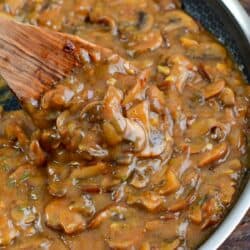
{"type": "Point", "coordinates": [202, 200]}
{"type": "Point", "coordinates": [11, 182]}
{"type": "Point", "coordinates": [25, 176]}
{"type": "Point", "coordinates": [5, 167]}
{"type": "Point", "coordinates": [21, 208]}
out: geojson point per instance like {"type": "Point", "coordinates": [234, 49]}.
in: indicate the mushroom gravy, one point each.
{"type": "Point", "coordinates": [146, 157]}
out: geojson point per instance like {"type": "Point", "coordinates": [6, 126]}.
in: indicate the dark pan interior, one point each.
{"type": "Point", "coordinates": [214, 16]}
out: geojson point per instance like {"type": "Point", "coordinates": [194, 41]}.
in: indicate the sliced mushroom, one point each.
{"type": "Point", "coordinates": [50, 139]}
{"type": "Point", "coordinates": [195, 146]}
{"type": "Point", "coordinates": [214, 89]}
{"type": "Point", "coordinates": [57, 98]}
{"type": "Point", "coordinates": [92, 111]}
{"type": "Point", "coordinates": [147, 42]}
{"type": "Point", "coordinates": [149, 200]}
{"type": "Point", "coordinates": [165, 228]}
{"type": "Point", "coordinates": [177, 19]}
{"type": "Point", "coordinates": [145, 246]}
{"type": "Point", "coordinates": [228, 97]}
{"type": "Point", "coordinates": [227, 190]}
{"type": "Point", "coordinates": [39, 242]}
{"type": "Point", "coordinates": [168, 5]}
{"type": "Point", "coordinates": [211, 211]}
{"type": "Point", "coordinates": [207, 51]}
{"type": "Point", "coordinates": [14, 7]}
{"type": "Point", "coordinates": [107, 21]}
{"type": "Point", "coordinates": [140, 112]}
{"type": "Point", "coordinates": [145, 21]}
{"type": "Point", "coordinates": [171, 185]}
{"type": "Point", "coordinates": [173, 245]}
{"type": "Point", "coordinates": [71, 222]}
{"type": "Point", "coordinates": [140, 178]}
{"type": "Point", "coordinates": [22, 173]}
{"type": "Point", "coordinates": [8, 232]}
{"type": "Point", "coordinates": [14, 131]}
{"type": "Point", "coordinates": [84, 205]}
{"type": "Point", "coordinates": [36, 153]}
{"type": "Point", "coordinates": [89, 171]}
{"type": "Point", "coordinates": [195, 214]}
{"type": "Point", "coordinates": [188, 42]}
{"type": "Point", "coordinates": [217, 153]}
{"type": "Point", "coordinates": [23, 215]}
{"type": "Point", "coordinates": [59, 216]}
{"type": "Point", "coordinates": [62, 122]}
{"type": "Point", "coordinates": [156, 98]}
{"type": "Point", "coordinates": [117, 211]}
{"type": "Point", "coordinates": [234, 165]}
{"type": "Point", "coordinates": [178, 205]}
{"type": "Point", "coordinates": [136, 93]}
{"type": "Point", "coordinates": [123, 235]}
{"type": "Point", "coordinates": [112, 109]}
{"type": "Point", "coordinates": [203, 126]}
{"type": "Point", "coordinates": [182, 70]}
{"type": "Point", "coordinates": [111, 136]}
{"type": "Point", "coordinates": [57, 188]}
{"type": "Point", "coordinates": [135, 133]}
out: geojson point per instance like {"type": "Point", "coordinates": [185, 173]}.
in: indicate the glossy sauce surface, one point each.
{"type": "Point", "coordinates": [119, 157]}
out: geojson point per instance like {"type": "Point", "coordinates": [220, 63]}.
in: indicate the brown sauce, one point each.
{"type": "Point", "coordinates": [112, 159]}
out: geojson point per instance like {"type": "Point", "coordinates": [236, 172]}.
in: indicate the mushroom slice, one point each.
{"type": "Point", "coordinates": [147, 42]}
{"type": "Point", "coordinates": [145, 21]}
{"type": "Point", "coordinates": [136, 93]}
{"type": "Point", "coordinates": [87, 172]}
{"type": "Point", "coordinates": [207, 51]}
{"type": "Point", "coordinates": [8, 232]}
{"type": "Point", "coordinates": [149, 200]}
{"type": "Point", "coordinates": [110, 135]}
{"type": "Point", "coordinates": [112, 111]}
{"type": "Point", "coordinates": [211, 211]}
{"type": "Point", "coordinates": [117, 211]}
{"type": "Point", "coordinates": [195, 214]}
{"type": "Point", "coordinates": [182, 70]}
{"type": "Point", "coordinates": [156, 98]}
{"type": "Point", "coordinates": [202, 126]}
{"type": "Point", "coordinates": [140, 112]}
{"type": "Point", "coordinates": [23, 173]}
{"type": "Point", "coordinates": [123, 235]}
{"type": "Point", "coordinates": [158, 143]}
{"type": "Point", "coordinates": [57, 98]}
{"type": "Point", "coordinates": [107, 21]}
{"type": "Point", "coordinates": [228, 97]}
{"type": "Point", "coordinates": [168, 5]}
{"type": "Point", "coordinates": [59, 216]}
{"type": "Point", "coordinates": [177, 19]}
{"type": "Point", "coordinates": [135, 133]}
{"type": "Point", "coordinates": [157, 140]}
{"type": "Point", "coordinates": [173, 245]}
{"type": "Point", "coordinates": [214, 89]}
{"type": "Point", "coordinates": [141, 177]}
{"type": "Point", "coordinates": [83, 205]}
{"type": "Point", "coordinates": [217, 153]}
{"type": "Point", "coordinates": [178, 205]}
{"type": "Point", "coordinates": [36, 153]}
{"type": "Point", "coordinates": [171, 185]}
{"type": "Point", "coordinates": [23, 215]}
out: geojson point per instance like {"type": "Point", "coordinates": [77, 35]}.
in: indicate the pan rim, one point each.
{"type": "Point", "coordinates": [242, 204]}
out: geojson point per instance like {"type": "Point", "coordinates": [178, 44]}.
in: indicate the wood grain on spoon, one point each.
{"type": "Point", "coordinates": [32, 59]}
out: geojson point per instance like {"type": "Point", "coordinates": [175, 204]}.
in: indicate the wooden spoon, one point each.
{"type": "Point", "coordinates": [33, 59]}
